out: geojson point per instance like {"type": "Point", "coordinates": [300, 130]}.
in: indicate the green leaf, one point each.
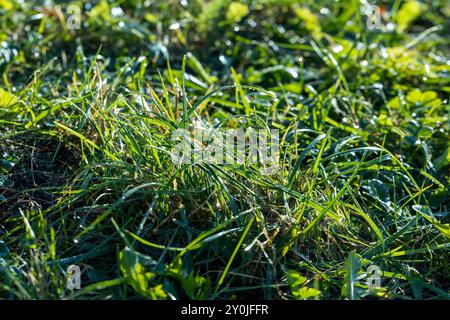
{"type": "Point", "coordinates": [195, 64]}
{"type": "Point", "coordinates": [297, 284]}
{"type": "Point", "coordinates": [305, 293]}
{"type": "Point", "coordinates": [395, 103]}
{"type": "Point", "coordinates": [6, 4]}
{"type": "Point", "coordinates": [175, 268]}
{"type": "Point", "coordinates": [6, 165]}
{"type": "Point", "coordinates": [101, 10]}
{"type": "Point", "coordinates": [196, 287]}
{"type": "Point", "coordinates": [295, 279]}
{"type": "Point", "coordinates": [236, 11]}
{"type": "Point", "coordinates": [210, 11]}
{"type": "Point", "coordinates": [443, 160]}
{"type": "Point", "coordinates": [407, 14]}
{"type": "Point", "coordinates": [132, 266]}
{"type": "Point", "coordinates": [427, 98]}
{"type": "Point", "coordinates": [426, 213]}
{"type": "Point", "coordinates": [151, 18]}
{"type": "Point", "coordinates": [384, 120]}
{"type": "Point", "coordinates": [5, 182]}
{"type": "Point", "coordinates": [352, 274]}
{"type": "Point", "coordinates": [310, 20]}
{"type": "Point", "coordinates": [4, 250]}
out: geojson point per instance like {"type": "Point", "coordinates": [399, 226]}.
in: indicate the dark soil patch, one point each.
{"type": "Point", "coordinates": [45, 163]}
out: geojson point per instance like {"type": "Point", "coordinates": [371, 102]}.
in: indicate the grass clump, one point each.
{"type": "Point", "coordinates": [90, 98]}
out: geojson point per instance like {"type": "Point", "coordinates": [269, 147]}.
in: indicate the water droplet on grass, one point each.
{"type": "Point", "coordinates": [116, 12]}
{"type": "Point", "coordinates": [337, 49]}
{"type": "Point", "coordinates": [325, 11]}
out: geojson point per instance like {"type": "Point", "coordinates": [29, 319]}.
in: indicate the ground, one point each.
{"type": "Point", "coordinates": [92, 92]}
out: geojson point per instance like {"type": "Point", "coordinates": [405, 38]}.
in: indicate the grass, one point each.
{"type": "Point", "coordinates": [86, 177]}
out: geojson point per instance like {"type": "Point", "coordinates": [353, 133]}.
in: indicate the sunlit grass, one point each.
{"type": "Point", "coordinates": [86, 176]}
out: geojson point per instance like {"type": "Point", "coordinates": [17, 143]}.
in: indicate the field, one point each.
{"type": "Point", "coordinates": [355, 207]}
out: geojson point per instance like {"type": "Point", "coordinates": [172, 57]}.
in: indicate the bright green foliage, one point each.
{"type": "Point", "coordinates": [236, 11]}
{"type": "Point", "coordinates": [409, 11]}
{"type": "Point", "coordinates": [299, 290]}
{"type": "Point", "coordinates": [86, 175]}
